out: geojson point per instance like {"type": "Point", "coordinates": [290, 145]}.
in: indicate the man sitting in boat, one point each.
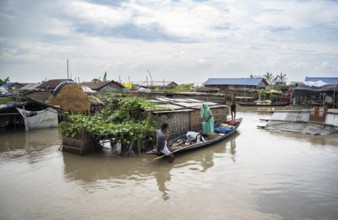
{"type": "Point", "coordinates": [208, 119]}
{"type": "Point", "coordinates": [162, 141]}
{"type": "Point", "coordinates": [193, 137]}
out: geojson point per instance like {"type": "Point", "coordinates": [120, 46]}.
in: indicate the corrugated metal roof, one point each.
{"type": "Point", "coordinates": [155, 83]}
{"type": "Point", "coordinates": [234, 81]}
{"type": "Point", "coordinates": [52, 84]}
{"type": "Point", "coordinates": [6, 85]}
{"type": "Point", "coordinates": [181, 103]}
{"type": "Point", "coordinates": [324, 79]}
{"type": "Point", "coordinates": [100, 84]}
{"type": "Point", "coordinates": [30, 86]}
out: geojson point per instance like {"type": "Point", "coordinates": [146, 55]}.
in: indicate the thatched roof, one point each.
{"type": "Point", "coordinates": [71, 98]}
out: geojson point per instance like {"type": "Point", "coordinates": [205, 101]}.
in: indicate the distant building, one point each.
{"type": "Point", "coordinates": [317, 91]}
{"type": "Point", "coordinates": [42, 92]}
{"type": "Point", "coordinates": [51, 84]}
{"type": "Point", "coordinates": [208, 89]}
{"type": "Point", "coordinates": [104, 86]}
{"type": "Point", "coordinates": [155, 84]}
{"type": "Point", "coordinates": [329, 80]}
{"type": "Point", "coordinates": [243, 87]}
{"type": "Point", "coordinates": [30, 87]}
{"type": "Point", "coordinates": [236, 83]}
{"type": "Point", "coordinates": [12, 86]}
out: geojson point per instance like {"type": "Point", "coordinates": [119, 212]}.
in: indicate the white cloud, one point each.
{"type": "Point", "coordinates": [298, 65]}
{"type": "Point", "coordinates": [102, 16]}
{"type": "Point", "coordinates": [176, 41]}
{"type": "Point", "coordinates": [326, 65]}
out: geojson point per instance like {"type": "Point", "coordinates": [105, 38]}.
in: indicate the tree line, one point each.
{"type": "Point", "coordinates": [271, 77]}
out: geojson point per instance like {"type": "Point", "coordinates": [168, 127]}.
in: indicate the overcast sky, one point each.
{"type": "Point", "coordinates": [177, 40]}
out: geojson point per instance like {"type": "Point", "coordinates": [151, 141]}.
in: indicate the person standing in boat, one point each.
{"type": "Point", "coordinates": [162, 142]}
{"type": "Point", "coordinates": [208, 119]}
{"type": "Point", "coordinates": [288, 97]}
{"type": "Point", "coordinates": [233, 107]}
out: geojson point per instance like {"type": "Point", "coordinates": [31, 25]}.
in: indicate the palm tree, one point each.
{"type": "Point", "coordinates": [281, 77]}
{"type": "Point", "coordinates": [268, 76]}
{"type": "Point", "coordinates": [6, 80]}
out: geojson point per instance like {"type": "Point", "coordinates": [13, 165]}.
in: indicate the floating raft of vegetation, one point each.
{"type": "Point", "coordinates": [127, 120]}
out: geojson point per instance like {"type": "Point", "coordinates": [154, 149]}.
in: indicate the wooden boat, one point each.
{"type": "Point", "coordinates": [263, 104]}
{"type": "Point", "coordinates": [214, 138]}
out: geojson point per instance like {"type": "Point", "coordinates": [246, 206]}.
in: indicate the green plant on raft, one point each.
{"type": "Point", "coordinates": [181, 88]}
{"type": "Point", "coordinates": [133, 109]}
{"type": "Point", "coordinates": [126, 131]}
{"type": "Point", "coordinates": [125, 119]}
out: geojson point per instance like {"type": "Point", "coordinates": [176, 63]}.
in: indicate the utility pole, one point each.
{"type": "Point", "coordinates": [151, 78]}
{"type": "Point", "coordinates": [67, 69]}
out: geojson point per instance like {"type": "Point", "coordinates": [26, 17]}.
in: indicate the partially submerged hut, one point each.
{"type": "Point", "coordinates": [134, 125]}
{"type": "Point", "coordinates": [71, 98]}
{"type": "Point", "coordinates": [184, 114]}
{"type": "Point", "coordinates": [315, 121]}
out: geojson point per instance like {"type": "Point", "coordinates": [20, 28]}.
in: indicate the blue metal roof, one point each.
{"type": "Point", "coordinates": [324, 79]}
{"type": "Point", "coordinates": [233, 81]}
{"type": "Point", "coordinates": [6, 85]}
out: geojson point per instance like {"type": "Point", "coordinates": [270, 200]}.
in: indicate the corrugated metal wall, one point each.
{"type": "Point", "coordinates": [179, 122]}
{"type": "Point", "coordinates": [329, 117]}
{"type": "Point", "coordinates": [190, 120]}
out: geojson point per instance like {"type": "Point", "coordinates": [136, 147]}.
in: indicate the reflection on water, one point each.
{"type": "Point", "coordinates": [316, 140]}
{"type": "Point", "coordinates": [233, 149]}
{"type": "Point", "coordinates": [95, 167]}
{"type": "Point", "coordinates": [201, 160]}
{"type": "Point", "coordinates": [254, 174]}
{"type": "Point", "coordinates": [162, 175]}
{"type": "Point", "coordinates": [16, 144]}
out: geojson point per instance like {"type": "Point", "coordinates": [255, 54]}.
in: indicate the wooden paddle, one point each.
{"type": "Point", "coordinates": [157, 158]}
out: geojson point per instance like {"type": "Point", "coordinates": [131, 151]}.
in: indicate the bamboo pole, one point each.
{"type": "Point", "coordinates": [67, 69]}
{"type": "Point", "coordinates": [334, 96]}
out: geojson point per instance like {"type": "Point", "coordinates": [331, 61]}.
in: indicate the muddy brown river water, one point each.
{"type": "Point", "coordinates": [255, 174]}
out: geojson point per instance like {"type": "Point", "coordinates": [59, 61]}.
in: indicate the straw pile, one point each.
{"type": "Point", "coordinates": [71, 98]}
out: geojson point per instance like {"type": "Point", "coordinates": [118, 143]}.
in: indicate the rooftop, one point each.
{"type": "Point", "coordinates": [324, 79]}
{"type": "Point", "coordinates": [52, 84]}
{"type": "Point", "coordinates": [99, 85]}
{"type": "Point", "coordinates": [235, 81]}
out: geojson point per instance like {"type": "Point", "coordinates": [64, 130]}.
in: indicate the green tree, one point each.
{"type": "Point", "coordinates": [105, 76]}
{"type": "Point", "coordinates": [96, 79]}
{"type": "Point", "coordinates": [182, 88]}
{"type": "Point", "coordinates": [268, 76]}
{"type": "Point", "coordinates": [3, 81]}
{"type": "Point", "coordinates": [281, 77]}
{"type": "Point", "coordinates": [255, 76]}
